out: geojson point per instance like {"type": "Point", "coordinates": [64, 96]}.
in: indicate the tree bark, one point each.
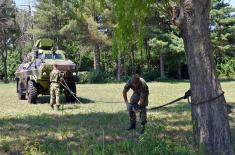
{"type": "Point", "coordinates": [4, 58]}
{"type": "Point", "coordinates": [97, 58]}
{"type": "Point", "coordinates": [162, 69]}
{"type": "Point", "coordinates": [5, 66]}
{"type": "Point", "coordinates": [210, 120]}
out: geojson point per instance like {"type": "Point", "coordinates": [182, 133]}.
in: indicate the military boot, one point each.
{"type": "Point", "coordinates": [131, 127]}
{"type": "Point", "coordinates": [57, 107]}
{"type": "Point", "coordinates": [52, 107]}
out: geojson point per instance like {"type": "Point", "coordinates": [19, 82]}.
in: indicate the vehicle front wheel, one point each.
{"type": "Point", "coordinates": [68, 96]}
{"type": "Point", "coordinates": [32, 92]}
{"type": "Point", "coordinates": [21, 94]}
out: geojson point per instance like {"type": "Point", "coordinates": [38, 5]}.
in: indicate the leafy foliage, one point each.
{"type": "Point", "coordinates": [8, 32]}
{"type": "Point", "coordinates": [226, 67]}
{"type": "Point", "coordinates": [126, 35]}
{"type": "Point", "coordinates": [94, 77]}
{"type": "Point", "coordinates": [223, 36]}
{"type": "Point", "coordinates": [130, 16]}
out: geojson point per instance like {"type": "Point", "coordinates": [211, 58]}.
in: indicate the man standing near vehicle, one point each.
{"type": "Point", "coordinates": [55, 78]}
{"type": "Point", "coordinates": [138, 100]}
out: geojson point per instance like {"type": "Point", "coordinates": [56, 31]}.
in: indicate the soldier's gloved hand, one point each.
{"type": "Point", "coordinates": [141, 107]}
{"type": "Point", "coordinates": [136, 108]}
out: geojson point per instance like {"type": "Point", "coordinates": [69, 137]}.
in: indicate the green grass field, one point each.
{"type": "Point", "coordinates": [98, 125]}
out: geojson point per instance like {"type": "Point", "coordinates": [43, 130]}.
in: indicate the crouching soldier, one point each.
{"type": "Point", "coordinates": [55, 78]}
{"type": "Point", "coordinates": [138, 101]}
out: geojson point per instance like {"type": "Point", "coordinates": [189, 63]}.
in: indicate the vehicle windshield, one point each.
{"type": "Point", "coordinates": [53, 56]}
{"type": "Point", "coordinates": [39, 56]}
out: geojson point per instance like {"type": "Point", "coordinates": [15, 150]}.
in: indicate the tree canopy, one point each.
{"type": "Point", "coordinates": [98, 33]}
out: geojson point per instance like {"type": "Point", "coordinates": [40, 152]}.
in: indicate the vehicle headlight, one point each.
{"type": "Point", "coordinates": [44, 73]}
{"type": "Point", "coordinates": [74, 74]}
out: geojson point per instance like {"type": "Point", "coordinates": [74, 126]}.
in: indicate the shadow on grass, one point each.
{"type": "Point", "coordinates": [172, 81]}
{"type": "Point", "coordinates": [177, 120]}
{"type": "Point", "coordinates": [85, 100]}
{"type": "Point", "coordinates": [232, 104]}
{"type": "Point", "coordinates": [73, 133]}
{"type": "Point", "coordinates": [46, 99]}
{"type": "Point", "coordinates": [177, 108]}
{"type": "Point", "coordinates": [182, 107]}
{"type": "Point", "coordinates": [89, 133]}
{"type": "Point", "coordinates": [110, 101]}
{"type": "Point", "coordinates": [59, 132]}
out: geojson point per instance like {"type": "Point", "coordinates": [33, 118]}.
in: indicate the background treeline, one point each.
{"type": "Point", "coordinates": [86, 30]}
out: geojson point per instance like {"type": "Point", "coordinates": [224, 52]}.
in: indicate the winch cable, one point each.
{"type": "Point", "coordinates": [186, 96]}
{"type": "Point", "coordinates": [65, 85]}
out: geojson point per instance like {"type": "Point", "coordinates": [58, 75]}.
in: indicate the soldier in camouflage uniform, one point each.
{"type": "Point", "coordinates": [138, 100]}
{"type": "Point", "coordinates": [55, 78]}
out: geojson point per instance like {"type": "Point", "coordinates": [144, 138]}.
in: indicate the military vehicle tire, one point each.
{"type": "Point", "coordinates": [32, 92]}
{"type": "Point", "coordinates": [21, 95]}
{"type": "Point", "coordinates": [68, 96]}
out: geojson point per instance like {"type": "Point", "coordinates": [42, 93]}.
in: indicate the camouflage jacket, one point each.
{"type": "Point", "coordinates": [142, 90]}
{"type": "Point", "coordinates": [55, 76]}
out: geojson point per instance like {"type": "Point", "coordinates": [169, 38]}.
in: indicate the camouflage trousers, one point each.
{"type": "Point", "coordinates": [55, 94]}
{"type": "Point", "coordinates": [143, 111]}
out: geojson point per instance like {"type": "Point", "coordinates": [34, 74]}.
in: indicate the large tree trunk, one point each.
{"type": "Point", "coordinates": [162, 69]}
{"type": "Point", "coordinates": [210, 119]}
{"type": "Point", "coordinates": [4, 58]}
{"type": "Point", "coordinates": [5, 66]}
{"type": "Point", "coordinates": [97, 58]}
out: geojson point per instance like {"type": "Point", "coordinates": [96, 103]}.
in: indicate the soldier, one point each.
{"type": "Point", "coordinates": [138, 101]}
{"type": "Point", "coordinates": [55, 78]}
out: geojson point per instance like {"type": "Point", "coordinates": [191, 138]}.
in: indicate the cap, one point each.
{"type": "Point", "coordinates": [135, 78]}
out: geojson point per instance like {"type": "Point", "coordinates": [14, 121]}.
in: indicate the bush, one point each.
{"type": "Point", "coordinates": [226, 67]}
{"type": "Point", "coordinates": [83, 77]}
{"type": "Point", "coordinates": [150, 76]}
{"type": "Point", "coordinates": [13, 63]}
{"type": "Point", "coordinates": [102, 77]}
{"type": "Point", "coordinates": [95, 77]}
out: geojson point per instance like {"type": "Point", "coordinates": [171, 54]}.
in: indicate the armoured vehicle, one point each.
{"type": "Point", "coordinates": [32, 75]}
